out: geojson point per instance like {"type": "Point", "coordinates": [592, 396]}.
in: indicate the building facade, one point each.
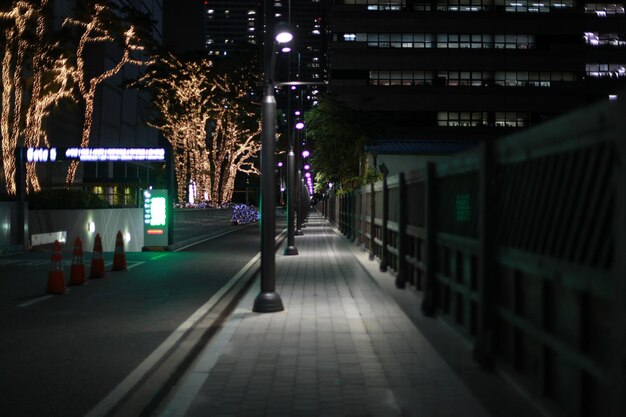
{"type": "Point", "coordinates": [231, 24]}
{"type": "Point", "coordinates": [119, 120]}
{"type": "Point", "coordinates": [234, 24]}
{"type": "Point", "coordinates": [474, 69]}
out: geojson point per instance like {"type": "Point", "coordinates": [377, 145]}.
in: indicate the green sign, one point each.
{"type": "Point", "coordinates": [155, 217]}
{"type": "Point", "coordinates": [463, 208]}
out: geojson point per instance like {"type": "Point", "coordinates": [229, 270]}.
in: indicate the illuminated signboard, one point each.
{"type": "Point", "coordinates": [41, 155]}
{"type": "Point", "coordinates": [95, 154]}
{"type": "Point", "coordinates": [155, 217]}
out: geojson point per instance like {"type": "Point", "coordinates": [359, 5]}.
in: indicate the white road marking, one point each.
{"type": "Point", "coordinates": [135, 264]}
{"type": "Point", "coordinates": [122, 389]}
{"type": "Point", "coordinates": [36, 300]}
{"type": "Point", "coordinates": [209, 238]}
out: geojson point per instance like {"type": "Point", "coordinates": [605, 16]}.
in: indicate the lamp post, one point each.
{"type": "Point", "coordinates": [301, 193]}
{"type": "Point", "coordinates": [291, 194]}
{"type": "Point", "coordinates": [281, 182]}
{"type": "Point", "coordinates": [268, 300]}
{"type": "Point", "coordinates": [294, 173]}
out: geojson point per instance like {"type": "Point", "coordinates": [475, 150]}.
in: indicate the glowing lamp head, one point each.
{"type": "Point", "coordinates": [283, 33]}
{"type": "Point", "coordinates": [307, 174]}
{"type": "Point", "coordinates": [285, 49]}
{"type": "Point", "coordinates": [300, 125]}
{"type": "Point", "coordinates": [280, 164]}
{"type": "Point", "coordinates": [306, 154]}
{"type": "Point", "coordinates": [307, 167]}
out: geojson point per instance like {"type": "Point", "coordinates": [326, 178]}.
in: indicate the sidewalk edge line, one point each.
{"type": "Point", "coordinates": [116, 396]}
{"type": "Point", "coordinates": [124, 387]}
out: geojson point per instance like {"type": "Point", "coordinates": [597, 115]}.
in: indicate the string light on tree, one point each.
{"type": "Point", "coordinates": [28, 60]}
{"type": "Point", "coordinates": [96, 30]}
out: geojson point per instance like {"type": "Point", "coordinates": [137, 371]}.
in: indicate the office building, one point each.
{"type": "Point", "coordinates": [474, 69]}
{"type": "Point", "coordinates": [119, 119]}
{"type": "Point", "coordinates": [231, 24]}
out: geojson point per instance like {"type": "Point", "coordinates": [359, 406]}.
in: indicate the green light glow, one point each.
{"type": "Point", "coordinates": [157, 210]}
{"type": "Point", "coordinates": [463, 207]}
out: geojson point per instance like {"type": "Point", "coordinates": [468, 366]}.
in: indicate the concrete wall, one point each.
{"type": "Point", "coordinates": [75, 222]}
{"type": "Point", "coordinates": [189, 225]}
{"type": "Point", "coordinates": [8, 222]}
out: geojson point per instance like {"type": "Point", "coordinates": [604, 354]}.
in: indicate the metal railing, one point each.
{"type": "Point", "coordinates": [520, 245]}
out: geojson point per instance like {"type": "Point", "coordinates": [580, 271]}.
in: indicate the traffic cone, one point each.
{"type": "Point", "coordinates": [77, 273]}
{"type": "Point", "coordinates": [97, 262]}
{"type": "Point", "coordinates": [56, 278]}
{"type": "Point", "coordinates": [119, 258]}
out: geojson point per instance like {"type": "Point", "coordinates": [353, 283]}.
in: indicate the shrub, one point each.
{"type": "Point", "coordinates": [243, 214]}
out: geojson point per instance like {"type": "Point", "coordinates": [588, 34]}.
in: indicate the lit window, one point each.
{"type": "Point", "coordinates": [602, 39]}
{"type": "Point", "coordinates": [461, 119]}
{"type": "Point", "coordinates": [511, 119]}
{"type": "Point", "coordinates": [604, 9]}
{"type": "Point", "coordinates": [606, 70]}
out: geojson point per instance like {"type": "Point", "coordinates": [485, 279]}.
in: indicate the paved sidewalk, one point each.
{"type": "Point", "coordinates": [342, 347]}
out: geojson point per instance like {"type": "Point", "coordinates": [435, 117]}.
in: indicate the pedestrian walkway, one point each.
{"type": "Point", "coordinates": [342, 347]}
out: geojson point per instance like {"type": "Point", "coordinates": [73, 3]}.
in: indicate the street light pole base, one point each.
{"type": "Point", "coordinates": [268, 302]}
{"type": "Point", "coordinates": [290, 250]}
{"type": "Point", "coordinates": [298, 232]}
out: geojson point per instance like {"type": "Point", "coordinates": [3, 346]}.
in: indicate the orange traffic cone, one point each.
{"type": "Point", "coordinates": [119, 258]}
{"type": "Point", "coordinates": [97, 262]}
{"type": "Point", "coordinates": [77, 273]}
{"type": "Point", "coordinates": [56, 278]}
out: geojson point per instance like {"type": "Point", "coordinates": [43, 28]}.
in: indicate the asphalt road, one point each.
{"type": "Point", "coordinates": [60, 355]}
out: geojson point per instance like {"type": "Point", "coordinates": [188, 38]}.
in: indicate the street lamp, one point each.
{"type": "Point", "coordinates": [281, 182]}
{"type": "Point", "coordinates": [268, 300]}
{"type": "Point", "coordinates": [301, 197]}
{"type": "Point", "coordinates": [293, 173]}
{"type": "Point", "coordinates": [291, 194]}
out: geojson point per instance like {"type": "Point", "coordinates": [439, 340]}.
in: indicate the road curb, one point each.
{"type": "Point", "coordinates": [143, 391]}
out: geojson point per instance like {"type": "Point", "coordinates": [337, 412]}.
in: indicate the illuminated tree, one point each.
{"type": "Point", "coordinates": [183, 95]}
{"type": "Point", "coordinates": [97, 28]}
{"type": "Point", "coordinates": [194, 98]}
{"type": "Point", "coordinates": [28, 60]}
{"type": "Point", "coordinates": [235, 141]}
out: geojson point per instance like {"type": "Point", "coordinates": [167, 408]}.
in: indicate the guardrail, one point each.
{"type": "Point", "coordinates": [521, 247]}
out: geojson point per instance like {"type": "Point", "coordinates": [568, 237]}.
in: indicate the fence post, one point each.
{"type": "Point", "coordinates": [618, 377]}
{"type": "Point", "coordinates": [372, 215]}
{"type": "Point", "coordinates": [430, 247]}
{"type": "Point", "coordinates": [346, 209]}
{"type": "Point", "coordinates": [402, 223]}
{"type": "Point", "coordinates": [340, 217]}
{"type": "Point", "coordinates": [384, 257]}
{"type": "Point", "coordinates": [343, 214]}
{"type": "Point", "coordinates": [350, 215]}
{"type": "Point", "coordinates": [483, 349]}
{"type": "Point", "coordinates": [363, 201]}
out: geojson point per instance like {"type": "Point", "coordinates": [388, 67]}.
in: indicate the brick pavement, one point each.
{"type": "Point", "coordinates": [342, 347]}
